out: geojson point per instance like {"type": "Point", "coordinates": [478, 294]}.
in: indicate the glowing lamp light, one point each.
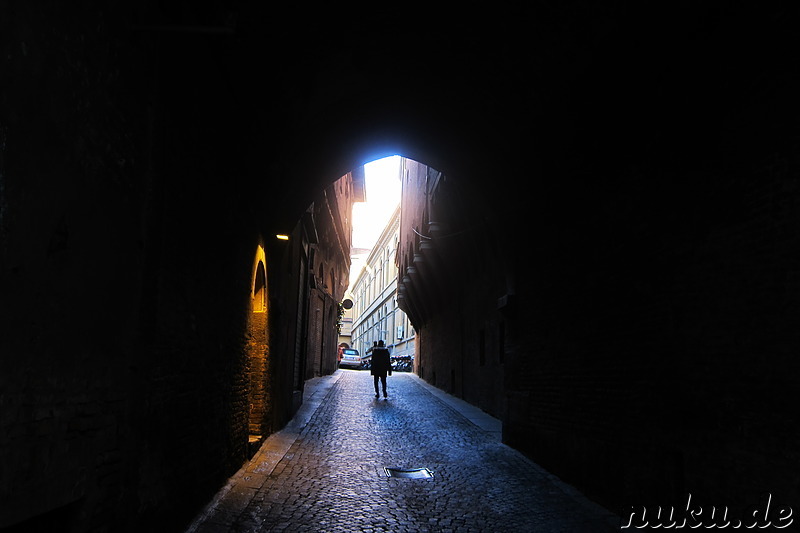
{"type": "Point", "coordinates": [282, 237]}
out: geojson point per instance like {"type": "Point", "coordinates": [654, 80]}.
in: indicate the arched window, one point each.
{"type": "Point", "coordinates": [260, 289]}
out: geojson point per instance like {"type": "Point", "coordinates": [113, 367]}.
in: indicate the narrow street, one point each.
{"type": "Point", "coordinates": [326, 470]}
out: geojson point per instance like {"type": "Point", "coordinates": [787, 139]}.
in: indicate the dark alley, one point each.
{"type": "Point", "coordinates": [597, 245]}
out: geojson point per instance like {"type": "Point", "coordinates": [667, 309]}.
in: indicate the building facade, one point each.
{"type": "Point", "coordinates": [376, 311]}
{"type": "Point", "coordinates": [345, 327]}
{"type": "Point", "coordinates": [329, 268]}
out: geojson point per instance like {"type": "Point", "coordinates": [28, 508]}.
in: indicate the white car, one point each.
{"type": "Point", "coordinates": [350, 358]}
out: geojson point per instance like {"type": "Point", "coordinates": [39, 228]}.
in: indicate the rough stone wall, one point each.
{"type": "Point", "coordinates": [124, 389]}
{"type": "Point", "coordinates": [637, 377]}
{"type": "Point", "coordinates": [63, 372]}
{"type": "Point", "coordinates": [452, 294]}
{"type": "Point", "coordinates": [647, 333]}
{"type": "Point", "coordinates": [316, 325]}
{"type": "Point", "coordinates": [287, 315]}
{"type": "Point", "coordinates": [259, 378]}
{"type": "Point", "coordinates": [331, 270]}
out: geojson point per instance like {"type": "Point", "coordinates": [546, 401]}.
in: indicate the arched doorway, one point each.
{"type": "Point", "coordinates": [259, 390]}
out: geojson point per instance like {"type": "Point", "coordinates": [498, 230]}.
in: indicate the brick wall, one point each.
{"type": "Point", "coordinates": [259, 378]}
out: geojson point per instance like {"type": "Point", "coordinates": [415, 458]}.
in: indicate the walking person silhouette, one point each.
{"type": "Point", "coordinates": [381, 366]}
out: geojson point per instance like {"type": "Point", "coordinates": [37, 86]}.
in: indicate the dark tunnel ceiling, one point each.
{"type": "Point", "coordinates": [327, 91]}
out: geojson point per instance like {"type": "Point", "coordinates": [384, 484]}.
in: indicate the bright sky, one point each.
{"type": "Point", "coordinates": [383, 194]}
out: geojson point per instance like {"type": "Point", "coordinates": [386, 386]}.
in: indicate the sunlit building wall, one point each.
{"type": "Point", "coordinates": [346, 327]}
{"type": "Point", "coordinates": [377, 316]}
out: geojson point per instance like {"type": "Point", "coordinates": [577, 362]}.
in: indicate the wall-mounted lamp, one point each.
{"type": "Point", "coordinates": [282, 237]}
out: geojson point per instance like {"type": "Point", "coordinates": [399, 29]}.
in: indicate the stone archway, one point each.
{"type": "Point", "coordinates": [259, 390]}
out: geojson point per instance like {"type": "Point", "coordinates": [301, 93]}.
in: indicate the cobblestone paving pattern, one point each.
{"type": "Point", "coordinates": [332, 477]}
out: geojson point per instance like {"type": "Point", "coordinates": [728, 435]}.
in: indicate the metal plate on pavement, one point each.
{"type": "Point", "coordinates": [409, 473]}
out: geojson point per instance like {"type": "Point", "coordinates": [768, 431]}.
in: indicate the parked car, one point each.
{"type": "Point", "coordinates": [350, 358]}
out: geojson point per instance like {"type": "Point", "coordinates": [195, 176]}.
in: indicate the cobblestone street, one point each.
{"type": "Point", "coordinates": [325, 470]}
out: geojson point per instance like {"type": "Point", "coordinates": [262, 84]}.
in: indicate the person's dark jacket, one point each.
{"type": "Point", "coordinates": [381, 364]}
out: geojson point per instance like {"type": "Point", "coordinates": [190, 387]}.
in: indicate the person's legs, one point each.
{"type": "Point", "coordinates": [383, 382]}
{"type": "Point", "coordinates": [376, 385]}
